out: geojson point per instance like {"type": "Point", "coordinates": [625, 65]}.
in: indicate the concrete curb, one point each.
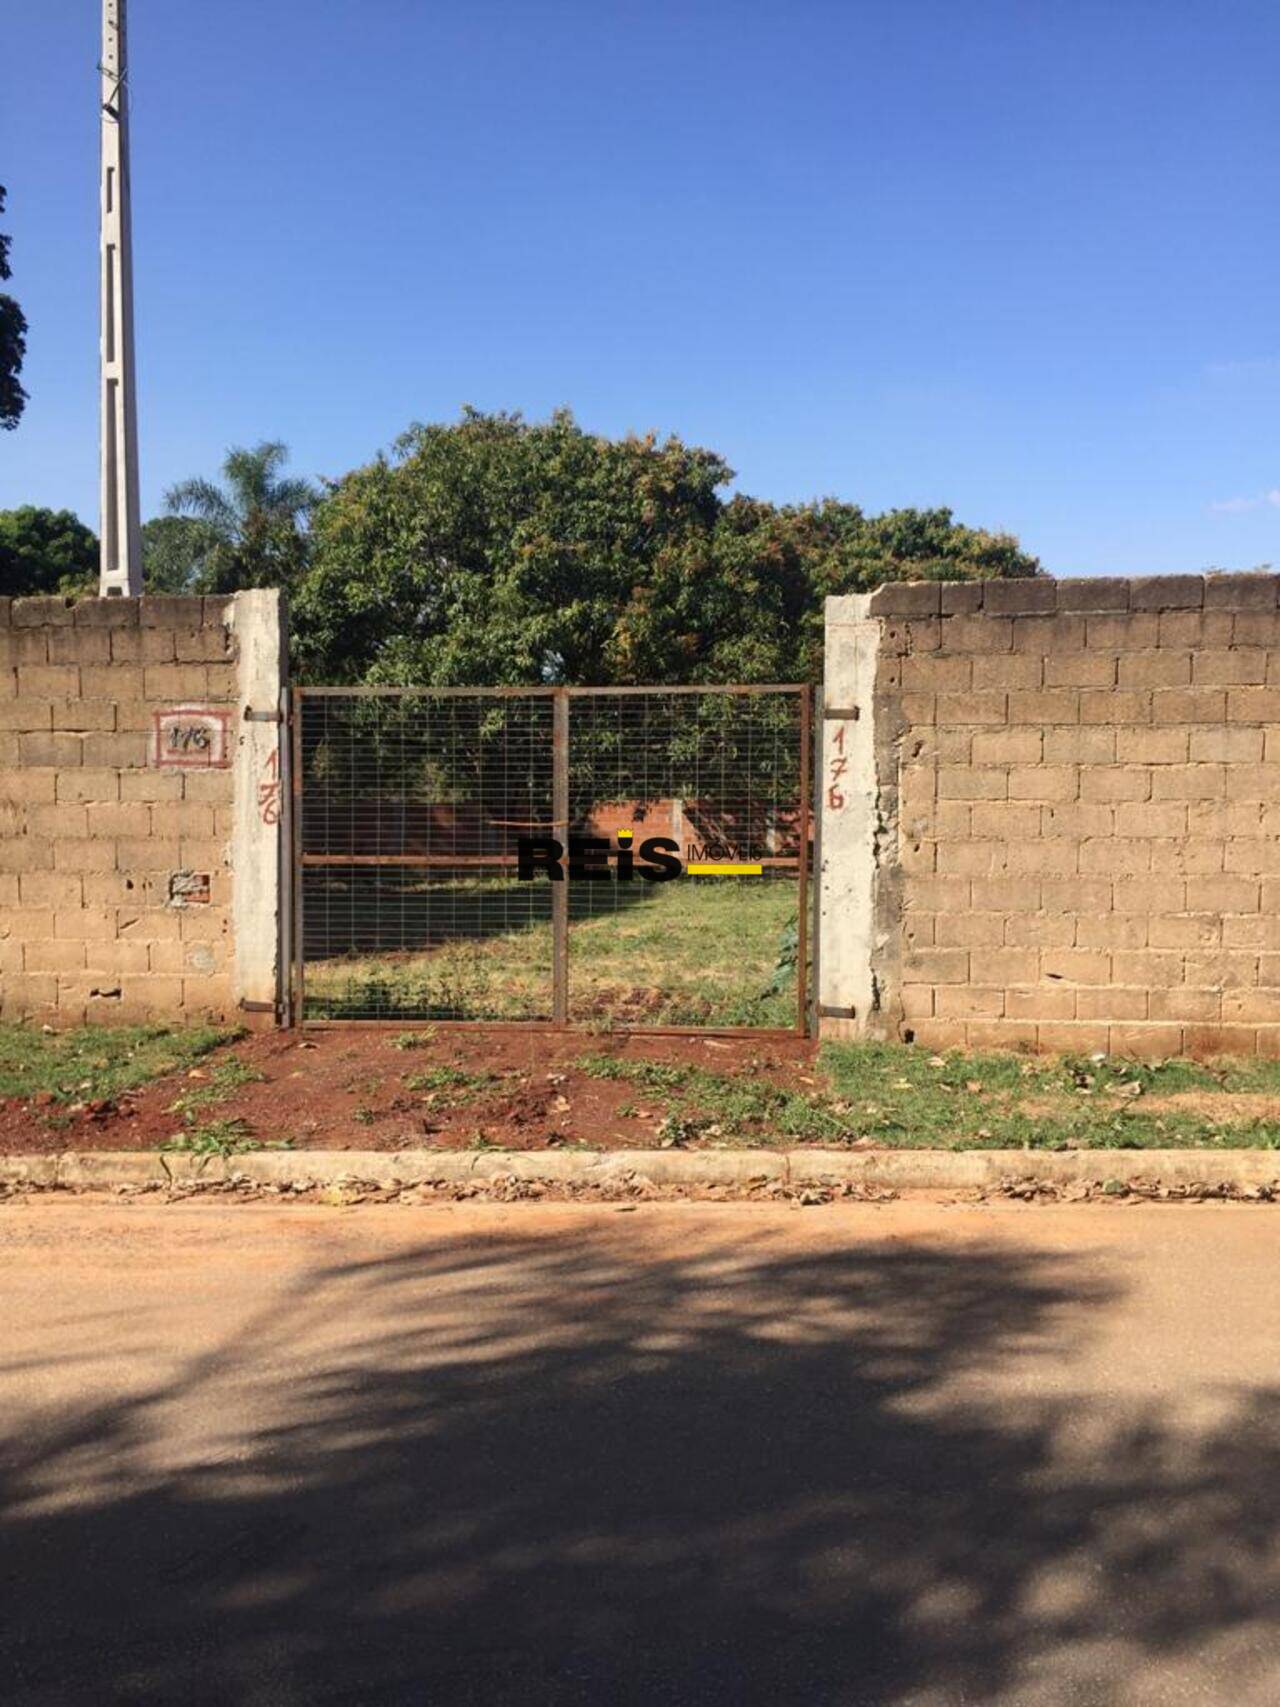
{"type": "Point", "coordinates": [621, 1170]}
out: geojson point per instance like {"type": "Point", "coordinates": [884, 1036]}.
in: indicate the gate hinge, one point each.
{"type": "Point", "coordinates": [252, 716]}
{"type": "Point", "coordinates": [260, 1007]}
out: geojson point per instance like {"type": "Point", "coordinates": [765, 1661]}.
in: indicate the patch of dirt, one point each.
{"type": "Point", "coordinates": [340, 1089]}
{"type": "Point", "coordinates": [1215, 1105]}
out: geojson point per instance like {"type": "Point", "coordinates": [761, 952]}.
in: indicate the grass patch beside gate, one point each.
{"type": "Point", "coordinates": [905, 1097]}
{"type": "Point", "coordinates": [898, 1097]}
{"type": "Point", "coordinates": [92, 1063]}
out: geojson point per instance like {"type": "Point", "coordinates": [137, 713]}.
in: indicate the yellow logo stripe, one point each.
{"type": "Point", "coordinates": [724, 870]}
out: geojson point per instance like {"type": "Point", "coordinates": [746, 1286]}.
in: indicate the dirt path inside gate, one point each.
{"type": "Point", "coordinates": [375, 1089]}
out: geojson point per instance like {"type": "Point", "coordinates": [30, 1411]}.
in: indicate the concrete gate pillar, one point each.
{"type": "Point", "coordinates": [260, 857]}
{"type": "Point", "coordinates": [850, 826]}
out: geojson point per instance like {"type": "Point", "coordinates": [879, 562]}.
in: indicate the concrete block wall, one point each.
{"type": "Point", "coordinates": [1060, 825]}
{"type": "Point", "coordinates": [117, 873]}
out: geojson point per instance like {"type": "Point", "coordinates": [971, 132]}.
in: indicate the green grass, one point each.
{"type": "Point", "coordinates": [653, 1075]}
{"type": "Point", "coordinates": [216, 1138]}
{"type": "Point", "coordinates": [695, 1102]}
{"type": "Point", "coordinates": [221, 1137]}
{"type": "Point", "coordinates": [907, 1097]}
{"type": "Point", "coordinates": [225, 1078]}
{"type": "Point", "coordinates": [701, 951]}
{"type": "Point", "coordinates": [90, 1063]}
{"type": "Point", "coordinates": [904, 1098]}
{"type": "Point", "coordinates": [224, 1138]}
{"type": "Point", "coordinates": [461, 1086]}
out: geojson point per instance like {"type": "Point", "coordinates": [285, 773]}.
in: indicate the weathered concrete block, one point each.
{"type": "Point", "coordinates": [166, 610]}
{"type": "Point", "coordinates": [1167, 592]}
{"type": "Point", "coordinates": [105, 613]}
{"type": "Point", "coordinates": [1255, 592]}
{"type": "Point", "coordinates": [41, 612]}
{"type": "Point", "coordinates": [1090, 594]}
{"type": "Point", "coordinates": [1017, 598]}
{"type": "Point", "coordinates": [907, 598]}
{"type": "Point", "coordinates": [960, 598]}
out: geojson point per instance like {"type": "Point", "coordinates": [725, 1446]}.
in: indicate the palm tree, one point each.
{"type": "Point", "coordinates": [251, 530]}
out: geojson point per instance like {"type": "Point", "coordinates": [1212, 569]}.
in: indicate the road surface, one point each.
{"type": "Point", "coordinates": [901, 1455]}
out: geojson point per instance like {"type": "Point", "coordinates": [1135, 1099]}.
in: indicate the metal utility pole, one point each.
{"type": "Point", "coordinates": [121, 570]}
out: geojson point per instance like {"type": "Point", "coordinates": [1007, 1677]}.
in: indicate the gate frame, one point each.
{"type": "Point", "coordinates": [560, 937]}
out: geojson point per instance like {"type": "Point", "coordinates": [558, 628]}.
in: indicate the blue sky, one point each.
{"type": "Point", "coordinates": [1020, 259]}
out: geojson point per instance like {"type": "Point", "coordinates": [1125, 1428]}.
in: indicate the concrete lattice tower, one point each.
{"type": "Point", "coordinates": [121, 539]}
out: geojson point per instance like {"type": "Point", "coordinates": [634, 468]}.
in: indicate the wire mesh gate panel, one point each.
{"type": "Point", "coordinates": [410, 808]}
{"type": "Point", "coordinates": [721, 777]}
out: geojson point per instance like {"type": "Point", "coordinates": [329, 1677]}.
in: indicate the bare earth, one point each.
{"type": "Point", "coordinates": [346, 1089]}
{"type": "Point", "coordinates": [913, 1454]}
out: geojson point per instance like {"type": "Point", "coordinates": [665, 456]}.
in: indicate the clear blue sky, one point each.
{"type": "Point", "coordinates": [1022, 259]}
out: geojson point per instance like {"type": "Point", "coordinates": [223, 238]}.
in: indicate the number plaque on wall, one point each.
{"type": "Point", "coordinates": [192, 737]}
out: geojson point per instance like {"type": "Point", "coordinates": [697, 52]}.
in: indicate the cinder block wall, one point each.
{"type": "Point", "coordinates": [1073, 829]}
{"type": "Point", "coordinates": [106, 840]}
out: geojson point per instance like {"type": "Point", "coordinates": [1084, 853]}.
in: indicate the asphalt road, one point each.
{"type": "Point", "coordinates": [901, 1454]}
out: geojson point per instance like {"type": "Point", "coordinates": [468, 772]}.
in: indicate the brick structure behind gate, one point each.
{"type": "Point", "coordinates": [1059, 822]}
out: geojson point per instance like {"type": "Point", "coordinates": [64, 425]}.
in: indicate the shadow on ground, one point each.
{"type": "Point", "coordinates": [548, 1472]}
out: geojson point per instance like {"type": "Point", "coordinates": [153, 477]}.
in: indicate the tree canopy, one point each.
{"type": "Point", "coordinates": [496, 550]}
{"type": "Point", "coordinates": [493, 551]}
{"type": "Point", "coordinates": [248, 532]}
{"type": "Point", "coordinates": [46, 551]}
{"type": "Point", "coordinates": [13, 341]}
{"type": "Point", "coordinates": [173, 548]}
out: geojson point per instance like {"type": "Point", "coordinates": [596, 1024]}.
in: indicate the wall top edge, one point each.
{"type": "Point", "coordinates": [152, 610]}
{"type": "Point", "coordinates": [1043, 595]}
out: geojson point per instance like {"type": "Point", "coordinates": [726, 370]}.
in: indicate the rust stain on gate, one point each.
{"type": "Point", "coordinates": [409, 806]}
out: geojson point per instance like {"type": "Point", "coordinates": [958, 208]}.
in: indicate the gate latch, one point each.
{"type": "Point", "coordinates": [252, 716]}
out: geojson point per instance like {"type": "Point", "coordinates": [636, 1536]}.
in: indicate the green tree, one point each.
{"type": "Point", "coordinates": [13, 341]}
{"type": "Point", "coordinates": [248, 532]}
{"type": "Point", "coordinates": [46, 551]}
{"type": "Point", "coordinates": [173, 548]}
{"type": "Point", "coordinates": [495, 550]}
{"type": "Point", "coordinates": [808, 552]}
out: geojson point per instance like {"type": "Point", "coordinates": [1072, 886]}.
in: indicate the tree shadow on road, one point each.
{"type": "Point", "coordinates": [553, 1471]}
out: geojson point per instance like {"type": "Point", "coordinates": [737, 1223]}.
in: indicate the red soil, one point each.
{"type": "Point", "coordinates": [346, 1089]}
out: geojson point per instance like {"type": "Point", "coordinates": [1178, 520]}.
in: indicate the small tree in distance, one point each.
{"type": "Point", "coordinates": [248, 532]}
{"type": "Point", "coordinates": [46, 551]}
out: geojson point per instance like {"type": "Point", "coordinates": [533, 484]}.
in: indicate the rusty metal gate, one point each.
{"type": "Point", "coordinates": [423, 824]}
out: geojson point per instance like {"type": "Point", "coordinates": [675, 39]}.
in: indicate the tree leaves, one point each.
{"type": "Point", "coordinates": [249, 532]}
{"type": "Point", "coordinates": [45, 551]}
{"type": "Point", "coordinates": [495, 550]}
{"type": "Point", "coordinates": [13, 343]}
